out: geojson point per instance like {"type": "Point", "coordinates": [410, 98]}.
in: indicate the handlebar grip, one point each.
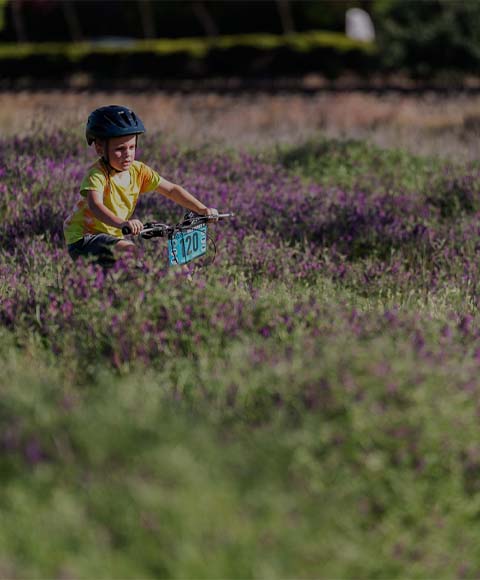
{"type": "Point", "coordinates": [126, 230]}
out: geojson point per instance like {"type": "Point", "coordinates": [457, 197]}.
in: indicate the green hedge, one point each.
{"type": "Point", "coordinates": [247, 55]}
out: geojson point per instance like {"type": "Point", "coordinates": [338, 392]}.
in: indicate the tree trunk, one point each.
{"type": "Point", "coordinates": [147, 17]}
{"type": "Point", "coordinates": [72, 20]}
{"type": "Point", "coordinates": [205, 18]}
{"type": "Point", "coordinates": [18, 22]}
{"type": "Point", "coordinates": [285, 13]}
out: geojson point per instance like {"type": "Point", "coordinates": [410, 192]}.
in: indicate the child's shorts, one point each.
{"type": "Point", "coordinates": [95, 245]}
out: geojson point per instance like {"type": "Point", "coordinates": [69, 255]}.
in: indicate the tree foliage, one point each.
{"type": "Point", "coordinates": [420, 38]}
{"type": "Point", "coordinates": [170, 19]}
{"type": "Point", "coordinates": [423, 37]}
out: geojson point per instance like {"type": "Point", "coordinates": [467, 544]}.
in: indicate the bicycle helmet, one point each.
{"type": "Point", "coordinates": [112, 121]}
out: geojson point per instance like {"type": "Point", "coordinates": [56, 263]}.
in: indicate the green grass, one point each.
{"type": "Point", "coordinates": [278, 458]}
{"type": "Point", "coordinates": [317, 427]}
{"type": "Point", "coordinates": [351, 163]}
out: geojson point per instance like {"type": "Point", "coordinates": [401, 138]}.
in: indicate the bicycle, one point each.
{"type": "Point", "coordinates": [188, 240]}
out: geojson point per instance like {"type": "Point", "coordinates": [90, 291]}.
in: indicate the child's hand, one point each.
{"type": "Point", "coordinates": [211, 211]}
{"type": "Point", "coordinates": [134, 226]}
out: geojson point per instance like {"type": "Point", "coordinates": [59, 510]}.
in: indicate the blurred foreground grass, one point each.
{"type": "Point", "coordinates": [342, 457]}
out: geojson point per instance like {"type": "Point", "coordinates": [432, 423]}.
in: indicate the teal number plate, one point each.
{"type": "Point", "coordinates": [187, 245]}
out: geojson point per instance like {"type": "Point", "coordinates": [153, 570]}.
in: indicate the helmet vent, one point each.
{"type": "Point", "coordinates": [123, 116]}
{"type": "Point", "coordinates": [114, 120]}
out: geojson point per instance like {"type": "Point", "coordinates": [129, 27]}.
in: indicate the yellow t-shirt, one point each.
{"type": "Point", "coordinates": [119, 195]}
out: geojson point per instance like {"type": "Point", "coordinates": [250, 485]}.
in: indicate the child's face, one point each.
{"type": "Point", "coordinates": [121, 152]}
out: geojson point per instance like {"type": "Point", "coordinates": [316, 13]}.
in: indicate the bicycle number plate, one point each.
{"type": "Point", "coordinates": [185, 246]}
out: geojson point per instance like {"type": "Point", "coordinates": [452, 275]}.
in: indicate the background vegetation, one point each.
{"type": "Point", "coordinates": [433, 39]}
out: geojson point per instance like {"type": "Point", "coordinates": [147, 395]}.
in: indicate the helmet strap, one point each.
{"type": "Point", "coordinates": [106, 160]}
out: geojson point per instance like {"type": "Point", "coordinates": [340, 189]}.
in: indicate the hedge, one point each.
{"type": "Point", "coordinates": [248, 55]}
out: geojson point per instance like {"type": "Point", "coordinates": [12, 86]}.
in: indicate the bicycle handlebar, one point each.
{"type": "Point", "coordinates": [157, 229]}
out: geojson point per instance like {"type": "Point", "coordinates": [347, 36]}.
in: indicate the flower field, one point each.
{"type": "Point", "coordinates": [306, 407]}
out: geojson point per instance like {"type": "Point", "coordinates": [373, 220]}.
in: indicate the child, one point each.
{"type": "Point", "coordinates": [110, 190]}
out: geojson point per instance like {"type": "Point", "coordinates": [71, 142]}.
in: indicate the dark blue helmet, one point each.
{"type": "Point", "coordinates": [112, 121]}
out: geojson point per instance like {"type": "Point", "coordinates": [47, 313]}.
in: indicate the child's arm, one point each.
{"type": "Point", "coordinates": [105, 215]}
{"type": "Point", "coordinates": [181, 196]}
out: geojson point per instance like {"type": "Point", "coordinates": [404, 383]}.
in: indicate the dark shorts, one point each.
{"type": "Point", "coordinates": [98, 246]}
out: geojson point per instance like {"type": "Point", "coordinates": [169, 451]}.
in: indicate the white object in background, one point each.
{"type": "Point", "coordinates": [359, 25]}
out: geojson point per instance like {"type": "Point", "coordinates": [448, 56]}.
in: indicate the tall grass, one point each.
{"type": "Point", "coordinates": [306, 407]}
